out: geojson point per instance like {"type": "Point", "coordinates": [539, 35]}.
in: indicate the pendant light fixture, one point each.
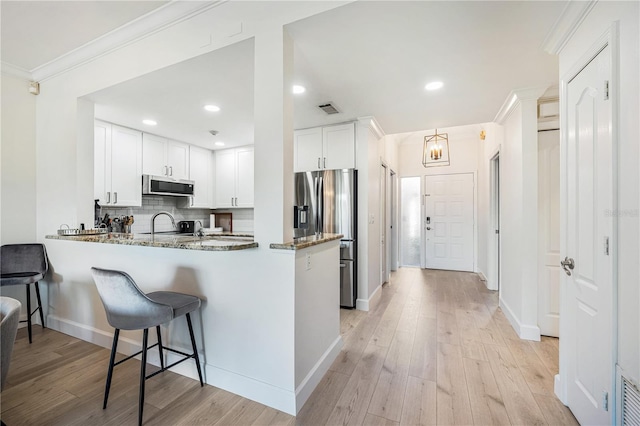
{"type": "Point", "coordinates": [435, 151]}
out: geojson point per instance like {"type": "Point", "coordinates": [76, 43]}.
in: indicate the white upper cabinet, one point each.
{"type": "Point", "coordinates": [117, 165]}
{"type": "Point", "coordinates": [200, 162]}
{"type": "Point", "coordinates": [234, 177]}
{"type": "Point", "coordinates": [325, 148]}
{"type": "Point", "coordinates": [307, 149]}
{"type": "Point", "coordinates": [162, 157]}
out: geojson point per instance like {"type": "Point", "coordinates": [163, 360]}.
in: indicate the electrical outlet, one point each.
{"type": "Point", "coordinates": [308, 261]}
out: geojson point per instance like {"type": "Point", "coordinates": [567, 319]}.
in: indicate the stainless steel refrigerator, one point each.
{"type": "Point", "coordinates": [326, 202]}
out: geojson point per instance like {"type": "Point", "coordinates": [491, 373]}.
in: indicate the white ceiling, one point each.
{"type": "Point", "coordinates": [36, 32]}
{"type": "Point", "coordinates": [368, 58]}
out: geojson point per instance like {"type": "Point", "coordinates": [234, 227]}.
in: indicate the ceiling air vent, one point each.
{"type": "Point", "coordinates": [329, 108]}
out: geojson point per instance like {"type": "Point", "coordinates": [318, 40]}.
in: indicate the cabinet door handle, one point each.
{"type": "Point", "coordinates": [115, 198]}
{"type": "Point", "coordinates": [108, 197]}
{"type": "Point", "coordinates": [318, 162]}
{"type": "Point", "coordinates": [325, 163]}
{"type": "Point", "coordinates": [191, 201]}
{"type": "Point", "coordinates": [232, 201]}
{"type": "Point", "coordinates": [236, 201]}
{"type": "Point", "coordinates": [166, 171]}
{"type": "Point", "coordinates": [170, 170]}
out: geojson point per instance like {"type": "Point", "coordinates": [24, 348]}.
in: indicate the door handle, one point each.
{"type": "Point", "coordinates": [108, 197]}
{"type": "Point", "coordinates": [568, 264]}
{"type": "Point", "coordinates": [324, 163]}
{"type": "Point", "coordinates": [115, 198]}
{"type": "Point", "coordinates": [428, 228]}
{"type": "Point", "coordinates": [170, 170]}
{"type": "Point", "coordinates": [166, 171]}
{"type": "Point", "coordinates": [318, 162]}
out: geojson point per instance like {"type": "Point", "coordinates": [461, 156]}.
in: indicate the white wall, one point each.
{"type": "Point", "coordinates": [17, 171]}
{"type": "Point", "coordinates": [317, 324]}
{"type": "Point", "coordinates": [602, 16]}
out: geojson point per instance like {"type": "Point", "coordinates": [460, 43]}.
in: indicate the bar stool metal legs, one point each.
{"type": "Point", "coordinates": [143, 364]}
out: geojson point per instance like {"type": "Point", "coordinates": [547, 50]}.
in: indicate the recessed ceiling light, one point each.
{"type": "Point", "coordinates": [298, 89]}
{"type": "Point", "coordinates": [219, 143]}
{"type": "Point", "coordinates": [212, 108]}
{"type": "Point", "coordinates": [434, 85]}
{"type": "Point", "coordinates": [149, 122]}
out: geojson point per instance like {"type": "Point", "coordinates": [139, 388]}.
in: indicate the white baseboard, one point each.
{"type": "Point", "coordinates": [370, 303]}
{"type": "Point", "coordinates": [247, 387]}
{"type": "Point", "coordinates": [482, 276]}
{"type": "Point", "coordinates": [557, 389]}
{"type": "Point", "coordinates": [303, 392]}
{"type": "Point", "coordinates": [126, 345]}
{"type": "Point", "coordinates": [524, 331]}
{"type": "Point", "coordinates": [264, 393]}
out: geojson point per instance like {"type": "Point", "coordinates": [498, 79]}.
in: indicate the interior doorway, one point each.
{"type": "Point", "coordinates": [393, 225]}
{"type": "Point", "coordinates": [384, 225]}
{"type": "Point", "coordinates": [549, 232]}
{"type": "Point", "coordinates": [494, 260]}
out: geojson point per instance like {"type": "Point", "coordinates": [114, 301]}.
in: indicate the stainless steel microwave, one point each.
{"type": "Point", "coordinates": [162, 185]}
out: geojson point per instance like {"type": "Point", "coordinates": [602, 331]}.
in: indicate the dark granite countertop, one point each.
{"type": "Point", "coordinates": [214, 242]}
{"type": "Point", "coordinates": [304, 242]}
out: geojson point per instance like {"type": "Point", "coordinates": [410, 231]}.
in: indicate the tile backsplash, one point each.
{"type": "Point", "coordinates": [242, 218]}
{"type": "Point", "coordinates": [154, 204]}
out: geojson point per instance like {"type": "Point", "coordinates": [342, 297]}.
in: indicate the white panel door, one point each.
{"type": "Point", "coordinates": [244, 177]}
{"type": "Point", "coordinates": [126, 167]}
{"type": "Point", "coordinates": [154, 152]}
{"type": "Point", "coordinates": [307, 150]}
{"type": "Point", "coordinates": [449, 222]}
{"type": "Point", "coordinates": [178, 159]}
{"type": "Point", "coordinates": [338, 146]}
{"type": "Point", "coordinates": [589, 183]}
{"type": "Point", "coordinates": [549, 232]}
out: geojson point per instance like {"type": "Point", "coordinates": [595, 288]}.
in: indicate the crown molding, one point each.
{"type": "Point", "coordinates": [16, 71]}
{"type": "Point", "coordinates": [566, 25]}
{"type": "Point", "coordinates": [373, 125]}
{"type": "Point", "coordinates": [515, 98]}
{"type": "Point", "coordinates": [152, 22]}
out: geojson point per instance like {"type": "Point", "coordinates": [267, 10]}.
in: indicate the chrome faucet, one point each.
{"type": "Point", "coordinates": [153, 221]}
{"type": "Point", "coordinates": [199, 232]}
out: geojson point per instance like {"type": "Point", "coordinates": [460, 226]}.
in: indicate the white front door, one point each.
{"type": "Point", "coordinates": [449, 222]}
{"type": "Point", "coordinates": [549, 232]}
{"type": "Point", "coordinates": [589, 241]}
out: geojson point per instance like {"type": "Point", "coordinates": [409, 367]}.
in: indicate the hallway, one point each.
{"type": "Point", "coordinates": [437, 350]}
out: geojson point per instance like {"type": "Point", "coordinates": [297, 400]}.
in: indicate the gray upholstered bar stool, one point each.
{"type": "Point", "coordinates": [128, 308]}
{"type": "Point", "coordinates": [24, 264]}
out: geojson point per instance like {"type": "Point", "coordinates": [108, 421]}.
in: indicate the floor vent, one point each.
{"type": "Point", "coordinates": [329, 108]}
{"type": "Point", "coordinates": [630, 403]}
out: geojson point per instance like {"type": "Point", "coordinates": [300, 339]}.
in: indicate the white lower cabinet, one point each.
{"type": "Point", "coordinates": [117, 165]}
{"type": "Point", "coordinates": [234, 177]}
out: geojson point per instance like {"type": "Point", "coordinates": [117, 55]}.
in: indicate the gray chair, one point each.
{"type": "Point", "coordinates": [10, 316]}
{"type": "Point", "coordinates": [24, 264]}
{"type": "Point", "coordinates": [128, 308]}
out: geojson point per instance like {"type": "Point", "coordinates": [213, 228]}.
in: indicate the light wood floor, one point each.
{"type": "Point", "coordinates": [436, 350]}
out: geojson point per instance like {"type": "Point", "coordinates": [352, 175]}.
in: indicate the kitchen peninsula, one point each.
{"type": "Point", "coordinates": [269, 325]}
